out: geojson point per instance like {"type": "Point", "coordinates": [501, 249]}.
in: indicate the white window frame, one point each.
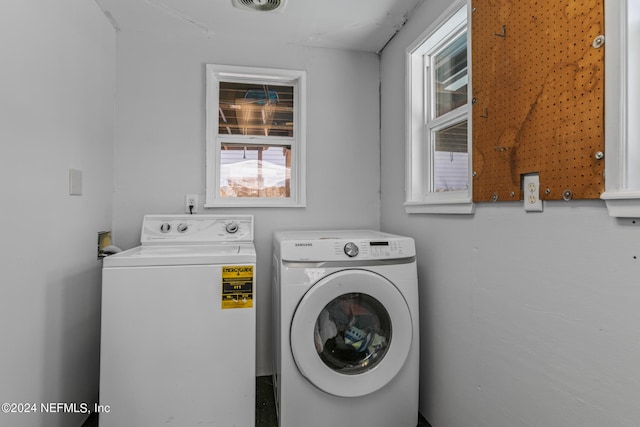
{"type": "Point", "coordinates": [419, 142]}
{"type": "Point", "coordinates": [230, 73]}
{"type": "Point", "coordinates": [622, 108]}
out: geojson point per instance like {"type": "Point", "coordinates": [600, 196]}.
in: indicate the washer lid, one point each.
{"type": "Point", "coordinates": [183, 255]}
{"type": "Point", "coordinates": [351, 333]}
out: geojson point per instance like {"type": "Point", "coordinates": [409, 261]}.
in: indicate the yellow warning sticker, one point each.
{"type": "Point", "coordinates": [237, 286]}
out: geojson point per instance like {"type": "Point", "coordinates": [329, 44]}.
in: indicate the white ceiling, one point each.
{"type": "Point", "coordinates": [343, 24]}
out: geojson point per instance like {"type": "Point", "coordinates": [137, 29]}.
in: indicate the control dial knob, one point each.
{"type": "Point", "coordinates": [165, 227]}
{"type": "Point", "coordinates": [232, 227]}
{"type": "Point", "coordinates": [351, 249]}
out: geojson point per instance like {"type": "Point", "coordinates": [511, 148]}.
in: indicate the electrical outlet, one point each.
{"type": "Point", "coordinates": [531, 189]}
{"type": "Point", "coordinates": [191, 203]}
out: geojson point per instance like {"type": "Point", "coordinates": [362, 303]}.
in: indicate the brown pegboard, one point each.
{"type": "Point", "coordinates": [538, 89]}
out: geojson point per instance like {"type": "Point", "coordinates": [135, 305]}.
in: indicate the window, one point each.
{"type": "Point", "coordinates": [438, 117]}
{"type": "Point", "coordinates": [622, 108]}
{"type": "Point", "coordinates": [255, 137]}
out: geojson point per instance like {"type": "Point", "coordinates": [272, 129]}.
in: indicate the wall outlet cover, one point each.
{"type": "Point", "coordinates": [531, 191]}
{"type": "Point", "coordinates": [191, 203]}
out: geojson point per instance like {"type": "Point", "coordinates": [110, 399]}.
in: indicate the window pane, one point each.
{"type": "Point", "coordinates": [255, 171]}
{"type": "Point", "coordinates": [451, 158]}
{"type": "Point", "coordinates": [451, 77]}
{"type": "Point", "coordinates": [255, 109]}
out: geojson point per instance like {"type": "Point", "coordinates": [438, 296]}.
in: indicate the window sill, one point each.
{"type": "Point", "coordinates": [448, 207]}
{"type": "Point", "coordinates": [236, 203]}
{"type": "Point", "coordinates": [622, 204]}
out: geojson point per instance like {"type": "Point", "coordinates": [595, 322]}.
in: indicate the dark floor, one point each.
{"type": "Point", "coordinates": [265, 407]}
{"type": "Point", "coordinates": [265, 403]}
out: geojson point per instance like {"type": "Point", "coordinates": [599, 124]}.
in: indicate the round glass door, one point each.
{"type": "Point", "coordinates": [351, 333]}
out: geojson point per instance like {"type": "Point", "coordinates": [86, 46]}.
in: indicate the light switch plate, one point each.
{"type": "Point", "coordinates": [75, 182]}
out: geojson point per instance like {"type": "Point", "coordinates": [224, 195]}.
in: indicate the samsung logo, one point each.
{"type": "Point", "coordinates": [304, 244]}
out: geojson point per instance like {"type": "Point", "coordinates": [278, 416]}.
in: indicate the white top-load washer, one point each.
{"type": "Point", "coordinates": [346, 329]}
{"type": "Point", "coordinates": [178, 325]}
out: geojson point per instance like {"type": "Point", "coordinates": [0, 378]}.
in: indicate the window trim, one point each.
{"type": "Point", "coordinates": [621, 201]}
{"type": "Point", "coordinates": [418, 161]}
{"type": "Point", "coordinates": [231, 73]}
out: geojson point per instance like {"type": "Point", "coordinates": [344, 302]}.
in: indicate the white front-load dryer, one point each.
{"type": "Point", "coordinates": [346, 329]}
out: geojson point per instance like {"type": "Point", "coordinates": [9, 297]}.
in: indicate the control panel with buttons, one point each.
{"type": "Point", "coordinates": [196, 229]}
{"type": "Point", "coordinates": [341, 245]}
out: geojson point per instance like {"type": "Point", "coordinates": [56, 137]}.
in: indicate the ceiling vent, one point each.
{"type": "Point", "coordinates": [260, 5]}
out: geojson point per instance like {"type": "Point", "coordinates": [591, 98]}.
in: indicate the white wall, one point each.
{"type": "Point", "coordinates": [57, 84]}
{"type": "Point", "coordinates": [160, 141]}
{"type": "Point", "coordinates": [527, 319]}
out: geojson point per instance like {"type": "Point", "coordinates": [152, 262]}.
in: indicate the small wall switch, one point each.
{"type": "Point", "coordinates": [531, 191]}
{"type": "Point", "coordinates": [75, 182]}
{"type": "Point", "coordinates": [191, 203]}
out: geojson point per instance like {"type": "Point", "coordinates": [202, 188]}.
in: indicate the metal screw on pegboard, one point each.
{"type": "Point", "coordinates": [494, 198]}
{"type": "Point", "coordinates": [512, 194]}
{"type": "Point", "coordinates": [567, 195]}
{"type": "Point", "coordinates": [599, 155]}
{"type": "Point", "coordinates": [547, 191]}
{"type": "Point", "coordinates": [598, 42]}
